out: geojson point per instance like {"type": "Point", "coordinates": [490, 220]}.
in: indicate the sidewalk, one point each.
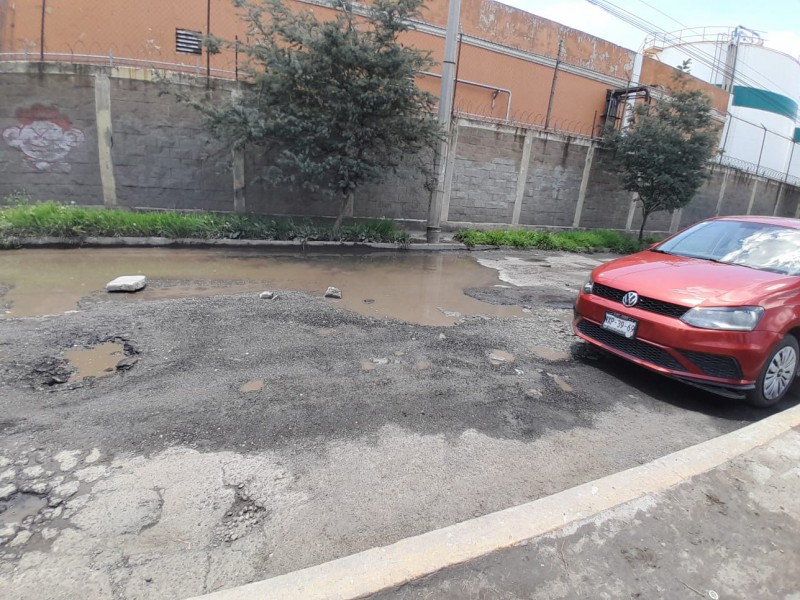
{"type": "Point", "coordinates": [717, 520]}
{"type": "Point", "coordinates": [733, 532]}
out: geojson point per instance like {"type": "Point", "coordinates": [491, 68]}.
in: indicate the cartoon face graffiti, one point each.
{"type": "Point", "coordinates": [45, 137]}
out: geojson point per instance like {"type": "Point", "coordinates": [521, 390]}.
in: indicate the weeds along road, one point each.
{"type": "Point", "coordinates": [167, 479]}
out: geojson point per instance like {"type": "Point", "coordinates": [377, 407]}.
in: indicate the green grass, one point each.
{"type": "Point", "coordinates": [562, 240]}
{"type": "Point", "coordinates": [21, 219]}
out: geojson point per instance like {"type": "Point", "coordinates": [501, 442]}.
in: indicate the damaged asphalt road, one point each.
{"type": "Point", "coordinates": [166, 480]}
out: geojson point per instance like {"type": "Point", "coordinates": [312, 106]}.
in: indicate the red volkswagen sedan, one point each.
{"type": "Point", "coordinates": [716, 305]}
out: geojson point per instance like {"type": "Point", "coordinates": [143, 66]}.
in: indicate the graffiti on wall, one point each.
{"type": "Point", "coordinates": [45, 136]}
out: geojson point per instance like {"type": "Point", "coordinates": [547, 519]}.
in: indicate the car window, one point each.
{"type": "Point", "coordinates": [754, 245]}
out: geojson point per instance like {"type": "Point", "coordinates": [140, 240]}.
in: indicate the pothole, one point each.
{"type": "Point", "coordinates": [21, 507]}
{"type": "Point", "coordinates": [500, 357]}
{"type": "Point", "coordinates": [85, 361]}
{"type": "Point", "coordinates": [243, 515]}
{"type": "Point", "coordinates": [254, 385]}
{"type": "Point", "coordinates": [99, 361]}
{"type": "Point", "coordinates": [550, 353]}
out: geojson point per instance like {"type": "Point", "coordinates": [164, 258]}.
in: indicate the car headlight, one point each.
{"type": "Point", "coordinates": [735, 318]}
{"type": "Point", "coordinates": [588, 286]}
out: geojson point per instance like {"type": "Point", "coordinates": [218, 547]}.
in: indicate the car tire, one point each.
{"type": "Point", "coordinates": [777, 375]}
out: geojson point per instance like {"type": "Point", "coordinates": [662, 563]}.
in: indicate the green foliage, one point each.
{"type": "Point", "coordinates": [52, 219]}
{"type": "Point", "coordinates": [333, 102]}
{"type": "Point", "coordinates": [572, 241]}
{"type": "Point", "coordinates": [662, 155]}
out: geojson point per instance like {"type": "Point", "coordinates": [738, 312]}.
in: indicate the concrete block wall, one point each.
{"type": "Point", "coordinates": [553, 182]}
{"type": "Point", "coordinates": [607, 204]}
{"type": "Point", "coordinates": [161, 156]}
{"type": "Point", "coordinates": [108, 136]}
{"type": "Point", "coordinates": [48, 137]}
{"type": "Point", "coordinates": [704, 204]}
{"type": "Point", "coordinates": [486, 166]}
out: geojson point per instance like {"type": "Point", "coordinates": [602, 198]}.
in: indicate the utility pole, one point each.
{"type": "Point", "coordinates": [553, 85]}
{"type": "Point", "coordinates": [433, 230]}
{"type": "Point", "coordinates": [208, 37]}
{"type": "Point", "coordinates": [41, 33]}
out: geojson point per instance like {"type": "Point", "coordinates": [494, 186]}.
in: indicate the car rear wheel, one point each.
{"type": "Point", "coordinates": [777, 375]}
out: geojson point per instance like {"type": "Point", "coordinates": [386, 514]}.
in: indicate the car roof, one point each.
{"type": "Point", "coordinates": [763, 220]}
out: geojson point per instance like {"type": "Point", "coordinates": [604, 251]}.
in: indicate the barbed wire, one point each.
{"type": "Point", "coordinates": [754, 169]}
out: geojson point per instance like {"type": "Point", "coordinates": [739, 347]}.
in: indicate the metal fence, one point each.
{"type": "Point", "coordinates": [754, 169]}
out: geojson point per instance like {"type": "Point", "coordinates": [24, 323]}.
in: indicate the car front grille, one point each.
{"type": "Point", "coordinates": [636, 348]}
{"type": "Point", "coordinates": [715, 365]}
{"type": "Point", "coordinates": [649, 304]}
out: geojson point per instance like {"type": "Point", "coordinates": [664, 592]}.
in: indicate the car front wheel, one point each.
{"type": "Point", "coordinates": [777, 375]}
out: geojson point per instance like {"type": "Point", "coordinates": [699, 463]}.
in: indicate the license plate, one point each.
{"type": "Point", "coordinates": [621, 325]}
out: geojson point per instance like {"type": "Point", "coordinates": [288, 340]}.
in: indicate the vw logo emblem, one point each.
{"type": "Point", "coordinates": [630, 299]}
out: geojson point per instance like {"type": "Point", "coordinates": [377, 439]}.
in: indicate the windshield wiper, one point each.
{"type": "Point", "coordinates": [660, 251]}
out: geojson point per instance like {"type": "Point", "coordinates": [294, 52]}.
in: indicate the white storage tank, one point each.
{"type": "Point", "coordinates": [762, 130]}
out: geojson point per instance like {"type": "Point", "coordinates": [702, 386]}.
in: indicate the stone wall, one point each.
{"type": "Point", "coordinates": [100, 136]}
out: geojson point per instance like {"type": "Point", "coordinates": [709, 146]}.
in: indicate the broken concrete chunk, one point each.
{"type": "Point", "coordinates": [333, 292]}
{"type": "Point", "coordinates": [67, 490]}
{"type": "Point", "coordinates": [7, 491]}
{"type": "Point", "coordinates": [93, 456]}
{"type": "Point", "coordinates": [127, 283]}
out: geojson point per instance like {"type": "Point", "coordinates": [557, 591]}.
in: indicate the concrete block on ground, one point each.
{"type": "Point", "coordinates": [127, 283]}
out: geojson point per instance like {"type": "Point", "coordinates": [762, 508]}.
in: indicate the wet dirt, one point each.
{"type": "Point", "coordinates": [100, 361]}
{"type": "Point", "coordinates": [500, 357]}
{"type": "Point", "coordinates": [254, 385]}
{"type": "Point", "coordinates": [550, 353]}
{"type": "Point", "coordinates": [423, 289]}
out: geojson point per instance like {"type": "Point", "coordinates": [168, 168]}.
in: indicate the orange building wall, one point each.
{"type": "Point", "coordinates": [145, 32]}
{"type": "Point", "coordinates": [655, 73]}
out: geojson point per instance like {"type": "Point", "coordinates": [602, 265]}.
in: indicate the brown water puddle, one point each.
{"type": "Point", "coordinates": [100, 361]}
{"type": "Point", "coordinates": [254, 385]}
{"type": "Point", "coordinates": [425, 289]}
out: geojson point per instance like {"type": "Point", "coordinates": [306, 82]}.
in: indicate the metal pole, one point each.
{"type": "Point", "coordinates": [236, 57]}
{"type": "Point", "coordinates": [789, 166]}
{"type": "Point", "coordinates": [553, 85]}
{"type": "Point", "coordinates": [208, 35]}
{"type": "Point", "coordinates": [763, 139]}
{"type": "Point", "coordinates": [458, 66]}
{"type": "Point", "coordinates": [445, 116]}
{"type": "Point", "coordinates": [41, 33]}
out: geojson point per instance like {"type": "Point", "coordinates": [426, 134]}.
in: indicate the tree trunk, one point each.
{"type": "Point", "coordinates": [645, 214]}
{"type": "Point", "coordinates": [345, 209]}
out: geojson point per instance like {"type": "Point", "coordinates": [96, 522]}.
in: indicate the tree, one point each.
{"type": "Point", "coordinates": [333, 102]}
{"type": "Point", "coordinates": [662, 154]}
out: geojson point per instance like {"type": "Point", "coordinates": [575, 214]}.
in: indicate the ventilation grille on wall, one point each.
{"type": "Point", "coordinates": [187, 41]}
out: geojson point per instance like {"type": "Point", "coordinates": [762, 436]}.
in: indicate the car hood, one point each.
{"type": "Point", "coordinates": [691, 281]}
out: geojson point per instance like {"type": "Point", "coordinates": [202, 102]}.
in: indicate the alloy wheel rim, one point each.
{"type": "Point", "coordinates": [779, 373]}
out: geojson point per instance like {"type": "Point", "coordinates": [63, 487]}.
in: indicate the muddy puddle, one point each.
{"type": "Point", "coordinates": [423, 289]}
{"type": "Point", "coordinates": [100, 361]}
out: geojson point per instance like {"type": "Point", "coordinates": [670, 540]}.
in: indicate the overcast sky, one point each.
{"type": "Point", "coordinates": [778, 21]}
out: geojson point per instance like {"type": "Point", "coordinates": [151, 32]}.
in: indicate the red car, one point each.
{"type": "Point", "coordinates": [716, 305]}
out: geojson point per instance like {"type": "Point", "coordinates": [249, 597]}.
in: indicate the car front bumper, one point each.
{"type": "Point", "coordinates": [712, 359]}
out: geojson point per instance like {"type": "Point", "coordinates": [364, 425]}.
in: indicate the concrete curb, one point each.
{"type": "Point", "coordinates": [378, 569]}
{"type": "Point", "coordinates": [159, 242]}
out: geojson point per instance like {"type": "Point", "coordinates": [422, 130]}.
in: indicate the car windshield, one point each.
{"type": "Point", "coordinates": [755, 245]}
